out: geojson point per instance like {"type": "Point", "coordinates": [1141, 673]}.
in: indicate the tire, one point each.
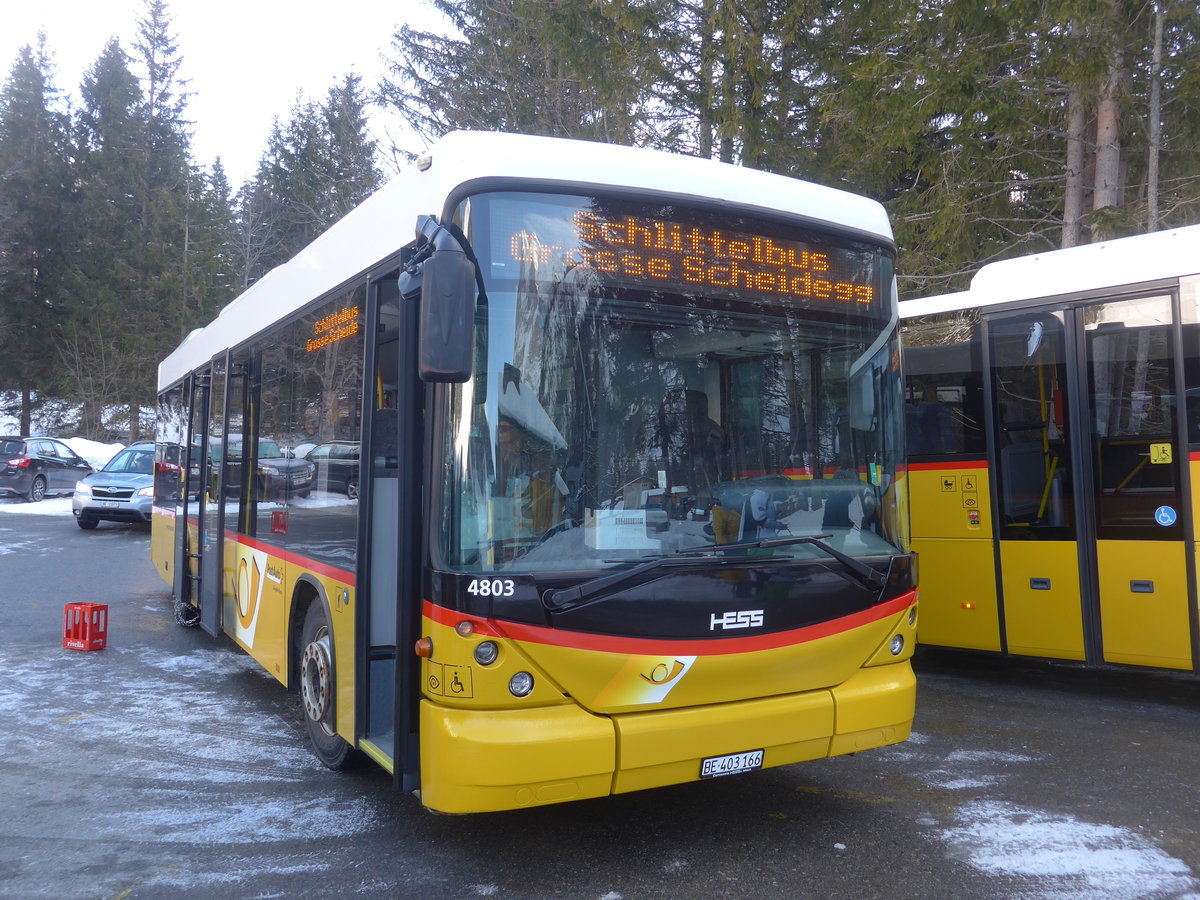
{"type": "Point", "coordinates": [352, 488]}
{"type": "Point", "coordinates": [37, 490]}
{"type": "Point", "coordinates": [87, 524]}
{"type": "Point", "coordinates": [318, 689]}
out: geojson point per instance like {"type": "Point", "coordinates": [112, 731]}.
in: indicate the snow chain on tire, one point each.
{"type": "Point", "coordinates": [186, 615]}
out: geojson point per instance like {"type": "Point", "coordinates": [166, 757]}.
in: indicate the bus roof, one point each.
{"type": "Point", "coordinates": [1111, 264]}
{"type": "Point", "coordinates": [385, 222]}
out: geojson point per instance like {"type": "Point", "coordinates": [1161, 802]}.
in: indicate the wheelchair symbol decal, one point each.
{"type": "Point", "coordinates": [1165, 515]}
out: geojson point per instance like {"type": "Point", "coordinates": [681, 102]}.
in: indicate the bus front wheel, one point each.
{"type": "Point", "coordinates": [317, 689]}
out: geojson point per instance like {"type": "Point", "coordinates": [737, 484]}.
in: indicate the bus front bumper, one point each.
{"type": "Point", "coordinates": [490, 760]}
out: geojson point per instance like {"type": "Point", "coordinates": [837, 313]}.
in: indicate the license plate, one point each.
{"type": "Point", "coordinates": [109, 504]}
{"type": "Point", "coordinates": [731, 764]}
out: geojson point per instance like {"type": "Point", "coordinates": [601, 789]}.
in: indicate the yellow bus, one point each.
{"type": "Point", "coordinates": [557, 470]}
{"type": "Point", "coordinates": [1053, 417]}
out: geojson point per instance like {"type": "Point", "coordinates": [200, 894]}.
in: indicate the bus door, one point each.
{"type": "Point", "coordinates": [191, 506]}
{"type": "Point", "coordinates": [390, 543]}
{"type": "Point", "coordinates": [211, 508]}
{"type": "Point", "coordinates": [1090, 493]}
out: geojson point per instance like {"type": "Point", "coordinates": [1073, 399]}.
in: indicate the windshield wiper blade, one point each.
{"type": "Point", "coordinates": [568, 598]}
{"type": "Point", "coordinates": [874, 577]}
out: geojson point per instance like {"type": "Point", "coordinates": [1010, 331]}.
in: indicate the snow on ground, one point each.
{"type": "Point", "coordinates": [1041, 855]}
{"type": "Point", "coordinates": [212, 777]}
{"type": "Point", "coordinates": [51, 506]}
{"type": "Point", "coordinates": [1059, 856]}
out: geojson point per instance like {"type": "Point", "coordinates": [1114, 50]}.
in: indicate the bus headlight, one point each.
{"type": "Point", "coordinates": [897, 644]}
{"type": "Point", "coordinates": [521, 684]}
{"type": "Point", "coordinates": [486, 652]}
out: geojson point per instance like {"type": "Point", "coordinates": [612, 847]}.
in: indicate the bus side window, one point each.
{"type": "Point", "coordinates": [943, 404]}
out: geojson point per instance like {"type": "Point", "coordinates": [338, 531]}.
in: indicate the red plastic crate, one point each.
{"type": "Point", "coordinates": [85, 626]}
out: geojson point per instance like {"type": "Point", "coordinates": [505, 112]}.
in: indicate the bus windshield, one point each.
{"type": "Point", "coordinates": [658, 378]}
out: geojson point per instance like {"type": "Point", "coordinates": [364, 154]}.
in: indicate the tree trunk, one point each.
{"type": "Point", "coordinates": [26, 411]}
{"type": "Point", "coordinates": [1073, 208]}
{"type": "Point", "coordinates": [1154, 137]}
{"type": "Point", "coordinates": [1108, 132]}
{"type": "Point", "coordinates": [707, 89]}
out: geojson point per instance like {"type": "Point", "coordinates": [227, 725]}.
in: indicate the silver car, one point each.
{"type": "Point", "coordinates": [123, 491]}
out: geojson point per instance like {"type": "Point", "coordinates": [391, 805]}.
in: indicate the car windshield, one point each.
{"type": "Point", "coordinates": [654, 380]}
{"type": "Point", "coordinates": [133, 460]}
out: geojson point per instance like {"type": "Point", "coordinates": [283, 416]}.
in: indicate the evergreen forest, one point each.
{"type": "Point", "coordinates": [988, 128]}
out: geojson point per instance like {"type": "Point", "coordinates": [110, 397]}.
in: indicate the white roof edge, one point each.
{"type": "Point", "coordinates": [923, 306]}
{"type": "Point", "coordinates": [1121, 262]}
{"type": "Point", "coordinates": [383, 223]}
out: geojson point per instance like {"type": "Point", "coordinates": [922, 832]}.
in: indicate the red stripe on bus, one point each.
{"type": "Point", "coordinates": [935, 466]}
{"type": "Point", "coordinates": [318, 568]}
{"type": "Point", "coordinates": [634, 646]}
{"type": "Point", "coordinates": [295, 559]}
{"type": "Point", "coordinates": [1194, 456]}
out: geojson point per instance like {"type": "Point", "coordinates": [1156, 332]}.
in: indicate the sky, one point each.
{"type": "Point", "coordinates": [247, 60]}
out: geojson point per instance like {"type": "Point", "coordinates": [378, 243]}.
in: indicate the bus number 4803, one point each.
{"type": "Point", "coordinates": [491, 587]}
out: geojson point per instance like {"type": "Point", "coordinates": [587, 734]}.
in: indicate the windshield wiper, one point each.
{"type": "Point", "coordinates": [875, 578]}
{"type": "Point", "coordinates": [569, 598]}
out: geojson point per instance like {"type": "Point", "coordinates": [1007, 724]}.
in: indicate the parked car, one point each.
{"type": "Point", "coordinates": [123, 491]}
{"type": "Point", "coordinates": [280, 474]}
{"type": "Point", "coordinates": [36, 467]}
{"type": "Point", "coordinates": [337, 467]}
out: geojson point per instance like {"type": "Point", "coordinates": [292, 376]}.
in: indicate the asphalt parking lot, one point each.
{"type": "Point", "coordinates": [169, 765]}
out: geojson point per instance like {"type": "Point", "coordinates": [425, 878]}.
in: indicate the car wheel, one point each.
{"type": "Point", "coordinates": [37, 490]}
{"type": "Point", "coordinates": [87, 524]}
{"type": "Point", "coordinates": [352, 488]}
{"type": "Point", "coordinates": [317, 688]}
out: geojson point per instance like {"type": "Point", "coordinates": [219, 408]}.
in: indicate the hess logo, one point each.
{"type": "Point", "coordinates": [740, 618]}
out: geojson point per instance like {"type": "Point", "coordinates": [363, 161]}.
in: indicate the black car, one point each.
{"type": "Point", "coordinates": [280, 475]}
{"type": "Point", "coordinates": [337, 467]}
{"type": "Point", "coordinates": [36, 467]}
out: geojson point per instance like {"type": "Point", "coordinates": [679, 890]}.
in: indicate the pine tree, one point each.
{"type": "Point", "coordinates": [107, 272]}
{"type": "Point", "coordinates": [35, 217]}
{"type": "Point", "coordinates": [163, 179]}
{"type": "Point", "coordinates": [317, 167]}
{"type": "Point", "coordinates": [523, 66]}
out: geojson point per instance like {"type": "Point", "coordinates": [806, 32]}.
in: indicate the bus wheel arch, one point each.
{"type": "Point", "coordinates": [314, 672]}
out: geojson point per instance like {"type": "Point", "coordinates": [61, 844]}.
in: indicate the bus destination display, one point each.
{"type": "Point", "coordinates": [641, 251]}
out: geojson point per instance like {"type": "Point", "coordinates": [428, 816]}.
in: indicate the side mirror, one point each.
{"type": "Point", "coordinates": [447, 317]}
{"type": "Point", "coordinates": [863, 416]}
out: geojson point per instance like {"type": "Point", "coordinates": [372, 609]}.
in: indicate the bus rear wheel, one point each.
{"type": "Point", "coordinates": [317, 689]}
